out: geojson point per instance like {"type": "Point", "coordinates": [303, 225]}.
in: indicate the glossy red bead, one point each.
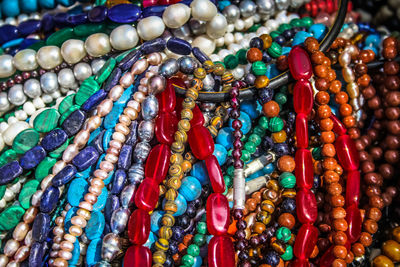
{"type": "Point", "coordinates": [146, 196]}
{"type": "Point", "coordinates": [165, 128]}
{"type": "Point", "coordinates": [353, 188]}
{"type": "Point", "coordinates": [198, 118]}
{"type": "Point", "coordinates": [301, 130]}
{"type": "Point", "coordinates": [305, 242]}
{"type": "Point", "coordinates": [306, 206]}
{"type": "Point", "coordinates": [137, 256]}
{"type": "Point", "coordinates": [215, 174]}
{"type": "Point", "coordinates": [303, 97]}
{"type": "Point", "coordinates": [139, 227]}
{"type": "Point", "coordinates": [201, 142]}
{"type": "Point", "coordinates": [299, 63]}
{"type": "Point", "coordinates": [157, 163]}
{"type": "Point", "coordinates": [167, 98]}
{"type": "Point", "coordinates": [347, 153]}
{"type": "Point", "coordinates": [338, 127]}
{"type": "Point", "coordinates": [304, 171]}
{"type": "Point", "coordinates": [328, 257]}
{"type": "Point", "coordinates": [217, 214]}
{"type": "Point", "coordinates": [221, 252]}
{"type": "Point", "coordinates": [353, 218]}
{"type": "Point", "coordinates": [299, 263]}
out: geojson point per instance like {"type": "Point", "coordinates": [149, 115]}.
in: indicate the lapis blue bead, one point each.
{"type": "Point", "coordinates": [281, 149]}
{"type": "Point", "coordinates": [97, 14]}
{"type": "Point", "coordinates": [32, 157]}
{"type": "Point", "coordinates": [54, 139]}
{"type": "Point", "coordinates": [93, 253]}
{"type": "Point", "coordinates": [64, 176]}
{"type": "Point", "coordinates": [125, 157]}
{"type": "Point", "coordinates": [75, 254]}
{"type": "Point", "coordinates": [76, 191]}
{"type": "Point", "coordinates": [129, 60]}
{"type": "Point", "coordinates": [266, 58]}
{"type": "Point", "coordinates": [101, 200]}
{"type": "Point", "coordinates": [29, 26]}
{"type": "Point", "coordinates": [190, 188]}
{"type": "Point", "coordinates": [280, 40]}
{"type": "Point", "coordinates": [49, 199]}
{"type": "Point", "coordinates": [153, 11]}
{"type": "Point", "coordinates": [94, 100]}
{"type": "Point", "coordinates": [95, 226]}
{"type": "Point", "coordinates": [266, 95]}
{"type": "Point", "coordinates": [47, 23]}
{"type": "Point", "coordinates": [112, 204]}
{"type": "Point", "coordinates": [27, 43]}
{"type": "Point", "coordinates": [113, 79]}
{"type": "Point", "coordinates": [124, 13]}
{"type": "Point", "coordinates": [47, 4]}
{"type": "Point", "coordinates": [85, 158]}
{"type": "Point", "coordinates": [9, 172]}
{"type": "Point", "coordinates": [179, 46]}
{"type": "Point", "coordinates": [10, 8]}
{"type": "Point", "coordinates": [41, 227]}
{"type": "Point", "coordinates": [8, 32]}
{"type": "Point", "coordinates": [132, 137]}
{"type": "Point", "coordinates": [220, 153]}
{"type": "Point", "coordinates": [60, 19]}
{"type": "Point", "coordinates": [197, 53]}
{"type": "Point", "coordinates": [118, 182]}
{"type": "Point", "coordinates": [156, 45]}
{"type": "Point", "coordinates": [73, 123]}
{"type": "Point", "coordinates": [36, 254]}
{"type": "Point", "coordinates": [28, 6]}
{"type": "Point", "coordinates": [225, 138]}
{"type": "Point", "coordinates": [98, 142]}
{"type": "Point", "coordinates": [75, 20]}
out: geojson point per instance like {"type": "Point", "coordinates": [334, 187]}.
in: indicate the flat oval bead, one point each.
{"type": "Point", "coordinates": [138, 256]}
{"type": "Point", "coordinates": [29, 26]}
{"type": "Point", "coordinates": [76, 191]}
{"type": "Point", "coordinates": [221, 252]}
{"type": "Point", "coordinates": [32, 157]}
{"type": "Point", "coordinates": [301, 130]}
{"type": "Point", "coordinates": [46, 121]}
{"type": "Point", "coordinates": [299, 63]}
{"type": "Point", "coordinates": [179, 46]}
{"type": "Point", "coordinates": [338, 126]}
{"type": "Point", "coordinates": [217, 214]}
{"type": "Point", "coordinates": [139, 227]}
{"type": "Point", "coordinates": [303, 97]}
{"type": "Point", "coordinates": [7, 33]}
{"type": "Point", "coordinates": [41, 227]}
{"type": "Point", "coordinates": [150, 107]}
{"type": "Point", "coordinates": [132, 138]}
{"type": "Point", "coordinates": [94, 100]}
{"type": "Point", "coordinates": [113, 79]}
{"type": "Point", "coordinates": [118, 182]}
{"type": "Point", "coordinates": [199, 55]}
{"type": "Point", "coordinates": [198, 118]}
{"type": "Point", "coordinates": [73, 123]}
{"type": "Point", "coordinates": [146, 196]}
{"type": "Point", "coordinates": [93, 254]}
{"type": "Point", "coordinates": [215, 174]}
{"type": "Point", "coordinates": [165, 127]}
{"type": "Point", "coordinates": [36, 254]}
{"type": "Point", "coordinates": [354, 220]}
{"type": "Point", "coordinates": [347, 153]}
{"type": "Point", "coordinates": [306, 206]}
{"type": "Point", "coordinates": [124, 13]}
{"type": "Point", "coordinates": [167, 98]}
{"type": "Point", "coordinates": [49, 199]}
{"type": "Point", "coordinates": [156, 45]}
{"type": "Point", "coordinates": [304, 171]}
{"type": "Point", "coordinates": [112, 204]}
{"type": "Point", "coordinates": [305, 242]}
{"type": "Point", "coordinates": [25, 140]}
{"type": "Point", "coordinates": [85, 158]}
{"type": "Point", "coordinates": [95, 226]}
{"type": "Point", "coordinates": [54, 139]}
{"type": "Point", "coordinates": [130, 59]}
{"type": "Point", "coordinates": [157, 163]}
{"type": "Point", "coordinates": [97, 14]}
{"type": "Point", "coordinates": [353, 188]}
{"type": "Point", "coordinates": [64, 176]}
{"type": "Point", "coordinates": [201, 142]}
{"type": "Point", "coordinates": [125, 157]}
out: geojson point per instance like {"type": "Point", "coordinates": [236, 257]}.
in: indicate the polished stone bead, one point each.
{"type": "Point", "coordinates": [165, 127]}
{"type": "Point", "coordinates": [304, 169]}
{"type": "Point", "coordinates": [102, 199]}
{"type": "Point", "coordinates": [354, 220]}
{"type": "Point", "coordinates": [302, 131]}
{"type": "Point", "coordinates": [41, 227]}
{"type": "Point", "coordinates": [299, 63]}
{"type": "Point", "coordinates": [137, 256]}
{"type": "Point", "coordinates": [139, 227]}
{"type": "Point", "coordinates": [220, 153]}
{"type": "Point", "coordinates": [217, 214]}
{"type": "Point", "coordinates": [306, 206]}
{"type": "Point", "coordinates": [157, 163]}
{"type": "Point", "coordinates": [36, 254]}
{"type": "Point", "coordinates": [26, 193]}
{"type": "Point", "coordinates": [146, 196]}
{"type": "Point", "coordinates": [179, 46]}
{"type": "Point", "coordinates": [74, 122]}
{"type": "Point", "coordinates": [125, 157]}
{"type": "Point", "coordinates": [215, 174]}
{"type": "Point", "coordinates": [54, 139]}
{"type": "Point", "coordinates": [287, 180]}
{"type": "Point", "coordinates": [94, 100]}
{"type": "Point", "coordinates": [76, 191]}
{"type": "Point", "coordinates": [49, 199]}
{"type": "Point", "coordinates": [353, 188]}
{"type": "Point", "coordinates": [29, 26]}
{"type": "Point", "coordinates": [347, 153]}
{"type": "Point", "coordinates": [97, 14]}
{"type": "Point", "coordinates": [201, 142]}
{"type": "Point", "coordinates": [113, 79]}
{"type": "Point", "coordinates": [199, 55]}
{"type": "Point", "coordinates": [95, 226]}
{"type": "Point", "coordinates": [132, 137]}
{"type": "Point", "coordinates": [181, 205]}
{"type": "Point", "coordinates": [44, 168]}
{"type": "Point", "coordinates": [60, 36]}
{"type": "Point", "coordinates": [32, 157]}
{"type": "Point", "coordinates": [85, 158]}
{"type": "Point", "coordinates": [25, 140]}
{"type": "Point", "coordinates": [156, 45]}
{"type": "Point", "coordinates": [46, 121]}
{"type": "Point", "coordinates": [93, 253]}
{"type": "Point", "coordinates": [129, 60]}
{"type": "Point", "coordinates": [84, 30]}
{"type": "Point", "coordinates": [10, 217]}
{"type": "Point", "coordinates": [221, 252]}
{"type": "Point", "coordinates": [118, 182]}
{"type": "Point", "coordinates": [87, 89]}
{"type": "Point", "coordinates": [64, 176]}
{"type": "Point", "coordinates": [167, 98]}
{"type": "Point", "coordinates": [303, 97]}
{"type": "Point", "coordinates": [7, 33]}
{"type": "Point", "coordinates": [199, 171]}
{"type": "Point", "coordinates": [112, 204]}
{"type": "Point", "coordinates": [124, 13]}
{"type": "Point", "coordinates": [306, 240]}
{"type": "Point", "coordinates": [105, 70]}
{"type": "Point", "coordinates": [190, 188]}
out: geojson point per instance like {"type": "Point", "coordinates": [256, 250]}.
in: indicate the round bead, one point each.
{"type": "Point", "coordinates": [98, 44]}
{"type": "Point", "coordinates": [49, 57]}
{"type": "Point", "coordinates": [124, 37]}
{"type": "Point", "coordinates": [25, 60]}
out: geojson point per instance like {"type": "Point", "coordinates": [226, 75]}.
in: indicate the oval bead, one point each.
{"type": "Point", "coordinates": [49, 199]}
{"type": "Point", "coordinates": [221, 252]}
{"type": "Point", "coordinates": [179, 46]}
{"type": "Point", "coordinates": [85, 158]}
{"type": "Point", "coordinates": [139, 227]}
{"type": "Point", "coordinates": [167, 98]}
{"type": "Point", "coordinates": [64, 176]}
{"type": "Point", "coordinates": [300, 263]}
{"type": "Point", "coordinates": [36, 254]}
{"type": "Point", "coordinates": [299, 63]}
{"type": "Point", "coordinates": [54, 139]}
{"type": "Point", "coordinates": [146, 196]}
{"type": "Point", "coordinates": [198, 118]}
{"type": "Point", "coordinates": [157, 163]}
{"type": "Point", "coordinates": [353, 188]}
{"type": "Point", "coordinates": [166, 126]}
{"type": "Point", "coordinates": [301, 131]}
{"type": "Point", "coordinates": [41, 227]}
{"type": "Point", "coordinates": [32, 157]}
{"type": "Point", "coordinates": [347, 153]}
{"type": "Point", "coordinates": [124, 13]}
{"type": "Point", "coordinates": [125, 157]}
{"type": "Point", "coordinates": [138, 256]}
{"type": "Point", "coordinates": [217, 214]}
{"type": "Point", "coordinates": [118, 182]}
{"type": "Point", "coordinates": [353, 218]}
{"type": "Point", "coordinates": [306, 206]}
{"type": "Point", "coordinates": [9, 172]}
{"type": "Point", "coordinates": [201, 142]}
{"type": "Point", "coordinates": [306, 240]}
{"type": "Point", "coordinates": [304, 170]}
{"type": "Point", "coordinates": [303, 97]}
{"type": "Point", "coordinates": [338, 126]}
{"type": "Point", "coordinates": [215, 174]}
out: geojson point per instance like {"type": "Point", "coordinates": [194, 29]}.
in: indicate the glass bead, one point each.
{"type": "Point", "coordinates": [303, 97]}
{"type": "Point", "coordinates": [146, 196]}
{"type": "Point", "coordinates": [299, 63]}
{"type": "Point", "coordinates": [139, 227]}
{"type": "Point", "coordinates": [302, 131]}
{"type": "Point", "coordinates": [215, 174]}
{"type": "Point", "coordinates": [157, 163]}
{"type": "Point", "coordinates": [306, 206]}
{"type": "Point", "coordinates": [217, 214]}
{"type": "Point", "coordinates": [221, 252]}
{"type": "Point", "coordinates": [347, 153]}
{"type": "Point", "coordinates": [306, 240]}
{"type": "Point", "coordinates": [304, 170]}
{"type": "Point", "coordinates": [201, 142]}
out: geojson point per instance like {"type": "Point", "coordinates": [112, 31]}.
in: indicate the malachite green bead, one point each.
{"type": "Point", "coordinates": [287, 180]}
{"type": "Point", "coordinates": [275, 50]}
{"type": "Point", "coordinates": [250, 147]}
{"type": "Point", "coordinates": [283, 27]}
{"type": "Point", "coordinates": [228, 181]}
{"type": "Point", "coordinates": [2, 190]}
{"type": "Point", "coordinates": [258, 130]}
{"type": "Point", "coordinates": [8, 156]}
{"type": "Point", "coordinates": [307, 21]}
{"type": "Point", "coordinates": [245, 155]}
{"type": "Point", "coordinates": [105, 71]}
{"type": "Point", "coordinates": [231, 62]}
{"type": "Point", "coordinates": [199, 239]}
{"type": "Point", "coordinates": [187, 260]}
{"type": "Point", "coordinates": [230, 170]}
{"type": "Point", "coordinates": [254, 28]}
{"type": "Point", "coordinates": [124, 54]}
{"type": "Point", "coordinates": [263, 122]}
{"type": "Point", "coordinates": [296, 22]}
{"type": "Point", "coordinates": [241, 55]}
{"type": "Point", "coordinates": [316, 153]}
{"type": "Point", "coordinates": [58, 152]}
{"type": "Point", "coordinates": [274, 34]}
{"type": "Point", "coordinates": [283, 234]}
{"type": "Point", "coordinates": [255, 139]}
{"type": "Point", "coordinates": [86, 90]}
{"type": "Point", "coordinates": [46, 121]}
{"type": "Point", "coordinates": [193, 250]}
{"type": "Point", "coordinates": [25, 140]}
{"type": "Point", "coordinates": [44, 168]}
{"type": "Point", "coordinates": [85, 30]}
{"type": "Point", "coordinates": [288, 255]}
{"type": "Point", "coordinates": [68, 112]}
{"type": "Point", "coordinates": [67, 102]}
{"type": "Point", "coordinates": [10, 217]}
{"type": "Point", "coordinates": [275, 124]}
{"type": "Point", "coordinates": [280, 98]}
{"type": "Point", "coordinates": [26, 193]}
{"type": "Point", "coordinates": [60, 36]}
{"type": "Point", "coordinates": [259, 68]}
{"type": "Point", "coordinates": [201, 228]}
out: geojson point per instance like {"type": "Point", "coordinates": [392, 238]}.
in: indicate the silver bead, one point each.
{"type": "Point", "coordinates": [282, 4]}
{"type": "Point", "coordinates": [16, 95]}
{"type": "Point", "coordinates": [97, 64]}
{"type": "Point", "coordinates": [111, 247]}
{"type": "Point", "coordinates": [247, 8]}
{"type": "Point", "coordinates": [49, 82]}
{"type": "Point", "coordinates": [141, 152]}
{"type": "Point", "coordinates": [231, 13]}
{"type": "Point", "coordinates": [182, 32]}
{"type": "Point", "coordinates": [66, 78]}
{"type": "Point", "coordinates": [186, 64]}
{"type": "Point", "coordinates": [136, 173]}
{"type": "Point", "coordinates": [266, 8]}
{"type": "Point", "coordinates": [208, 106]}
{"type": "Point", "coordinates": [82, 71]}
{"type": "Point", "coordinates": [103, 263]}
{"type": "Point", "coordinates": [208, 83]}
{"type": "Point", "coordinates": [150, 107]}
{"type": "Point", "coordinates": [198, 27]}
{"type": "Point", "coordinates": [126, 195]}
{"type": "Point", "coordinates": [32, 88]}
{"type": "Point", "coordinates": [119, 219]}
{"type": "Point", "coordinates": [169, 68]}
{"type": "Point", "coordinates": [146, 131]}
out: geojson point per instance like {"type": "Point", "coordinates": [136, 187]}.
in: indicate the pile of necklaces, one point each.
{"type": "Point", "coordinates": [213, 133]}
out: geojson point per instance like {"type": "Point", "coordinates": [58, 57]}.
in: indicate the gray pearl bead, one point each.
{"type": "Point", "coordinates": [82, 71]}
{"type": "Point", "coordinates": [4, 103]}
{"type": "Point", "coordinates": [32, 88]}
{"type": "Point", "coordinates": [97, 64]}
{"type": "Point", "coordinates": [49, 82]}
{"type": "Point", "coordinates": [119, 219]}
{"type": "Point", "coordinates": [84, 238]}
{"type": "Point", "coordinates": [103, 263]}
{"type": "Point", "coordinates": [296, 3]}
{"type": "Point", "coordinates": [250, 79]}
{"type": "Point", "coordinates": [66, 78]}
{"type": "Point", "coordinates": [247, 8]}
{"type": "Point", "coordinates": [208, 106]}
{"type": "Point", "coordinates": [182, 32]}
{"type": "Point", "coordinates": [146, 131]}
{"type": "Point", "coordinates": [266, 8]}
{"type": "Point", "coordinates": [136, 173]}
{"type": "Point", "coordinates": [111, 247]}
{"type": "Point", "coordinates": [198, 27]}
{"type": "Point", "coordinates": [186, 64]}
{"type": "Point", "coordinates": [282, 4]}
{"type": "Point", "coordinates": [169, 68]}
{"type": "Point", "coordinates": [16, 95]}
{"type": "Point", "coordinates": [150, 107]}
{"type": "Point", "coordinates": [126, 195]}
{"type": "Point", "coordinates": [141, 152]}
{"type": "Point", "coordinates": [231, 13]}
{"type": "Point", "coordinates": [156, 84]}
{"type": "Point", "coordinates": [208, 83]}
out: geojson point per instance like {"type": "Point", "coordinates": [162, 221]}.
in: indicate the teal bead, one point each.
{"type": "Point", "coordinates": [47, 4]}
{"type": "Point", "coordinates": [220, 153]}
{"type": "Point", "coordinates": [251, 108]}
{"type": "Point", "coordinates": [150, 241]}
{"type": "Point", "coordinates": [245, 155]}
{"type": "Point", "coordinates": [181, 204]}
{"type": "Point", "coordinates": [230, 170]}
{"type": "Point", "coordinates": [201, 228]}
{"type": "Point", "coordinates": [187, 260]}
{"type": "Point", "coordinates": [155, 219]}
{"type": "Point", "coordinates": [250, 147]}
{"type": "Point", "coordinates": [95, 226]}
{"type": "Point", "coordinates": [255, 139]}
{"type": "Point", "coordinates": [245, 120]}
{"type": "Point", "coordinates": [287, 180]}
{"type": "Point", "coordinates": [263, 122]}
{"type": "Point", "coordinates": [197, 261]}
{"type": "Point", "coordinates": [200, 172]}
{"type": "Point", "coordinates": [275, 50]}
{"type": "Point", "coordinates": [76, 191]}
{"type": "Point", "coordinates": [10, 8]}
{"type": "Point", "coordinates": [283, 234]}
{"type": "Point", "coordinates": [228, 181]}
{"type": "Point", "coordinates": [259, 68]}
{"type": "Point", "coordinates": [231, 62]}
{"type": "Point", "coordinates": [288, 255]}
{"type": "Point", "coordinates": [193, 250]}
{"type": "Point", "coordinates": [280, 98]}
{"type": "Point", "coordinates": [318, 31]}
{"type": "Point", "coordinates": [101, 200]}
{"type": "Point", "coordinates": [70, 213]}
{"type": "Point", "coordinates": [190, 188]}
{"type": "Point", "coordinates": [29, 6]}
{"type": "Point", "coordinates": [199, 239]}
{"type": "Point", "coordinates": [275, 124]}
{"type": "Point", "coordinates": [93, 253]}
{"type": "Point", "coordinates": [225, 137]}
{"type": "Point", "coordinates": [75, 254]}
